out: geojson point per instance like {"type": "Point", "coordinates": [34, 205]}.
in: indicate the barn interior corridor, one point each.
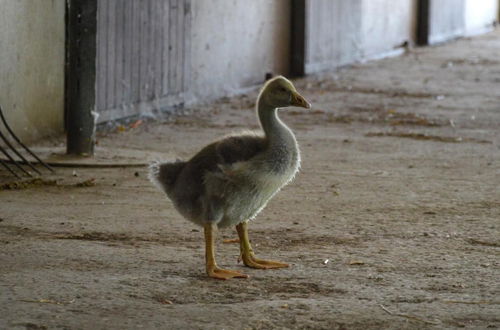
{"type": "Point", "coordinates": [393, 220]}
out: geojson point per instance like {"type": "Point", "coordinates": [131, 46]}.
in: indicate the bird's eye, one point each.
{"type": "Point", "coordinates": [282, 89]}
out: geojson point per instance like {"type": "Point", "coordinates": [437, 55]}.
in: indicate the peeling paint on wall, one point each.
{"type": "Point", "coordinates": [32, 66]}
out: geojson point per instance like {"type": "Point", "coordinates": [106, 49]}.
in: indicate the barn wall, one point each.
{"type": "Point", "coordinates": [333, 33]}
{"type": "Point", "coordinates": [341, 32]}
{"type": "Point", "coordinates": [156, 54]}
{"type": "Point", "coordinates": [195, 51]}
{"type": "Point", "coordinates": [142, 56]}
{"type": "Point", "coordinates": [385, 26]}
{"type": "Point", "coordinates": [480, 15]}
{"type": "Point", "coordinates": [447, 20]}
{"type": "Point", "coordinates": [32, 66]}
{"type": "Point", "coordinates": [234, 44]}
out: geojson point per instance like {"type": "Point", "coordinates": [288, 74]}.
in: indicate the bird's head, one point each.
{"type": "Point", "coordinates": [279, 92]}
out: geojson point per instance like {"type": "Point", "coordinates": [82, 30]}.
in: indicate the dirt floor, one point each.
{"type": "Point", "coordinates": [393, 221]}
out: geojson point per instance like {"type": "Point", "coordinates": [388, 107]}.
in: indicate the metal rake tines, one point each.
{"type": "Point", "coordinates": [10, 148]}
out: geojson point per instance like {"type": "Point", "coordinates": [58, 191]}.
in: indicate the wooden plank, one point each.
{"type": "Point", "coordinates": [150, 60]}
{"type": "Point", "coordinates": [144, 54]}
{"type": "Point", "coordinates": [149, 51]}
{"type": "Point", "coordinates": [157, 52]}
{"type": "Point", "coordinates": [110, 50]}
{"type": "Point", "coordinates": [145, 38]}
{"type": "Point", "coordinates": [165, 45]}
{"type": "Point", "coordinates": [119, 44]}
{"type": "Point", "coordinates": [140, 107]}
{"type": "Point", "coordinates": [127, 52]}
{"type": "Point", "coordinates": [135, 53]}
{"type": "Point", "coordinates": [180, 46]}
{"type": "Point", "coordinates": [186, 46]}
{"type": "Point", "coordinates": [166, 48]}
{"type": "Point", "coordinates": [172, 58]}
{"type": "Point", "coordinates": [101, 55]}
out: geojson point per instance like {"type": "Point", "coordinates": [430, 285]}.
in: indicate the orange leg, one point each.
{"type": "Point", "coordinates": [212, 269]}
{"type": "Point", "coordinates": [247, 254]}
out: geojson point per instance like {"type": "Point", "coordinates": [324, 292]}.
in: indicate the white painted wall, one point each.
{"type": "Point", "coordinates": [479, 16]}
{"type": "Point", "coordinates": [341, 32]}
{"type": "Point", "coordinates": [234, 44]}
{"type": "Point", "coordinates": [333, 34]}
{"type": "Point", "coordinates": [32, 66]}
{"type": "Point", "coordinates": [385, 26]}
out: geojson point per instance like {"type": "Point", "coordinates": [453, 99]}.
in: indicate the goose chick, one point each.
{"type": "Point", "coordinates": [231, 180]}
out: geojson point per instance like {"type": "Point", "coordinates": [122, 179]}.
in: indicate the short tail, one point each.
{"type": "Point", "coordinates": [164, 175]}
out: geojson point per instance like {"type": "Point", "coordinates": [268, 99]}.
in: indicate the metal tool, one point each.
{"type": "Point", "coordinates": [9, 149]}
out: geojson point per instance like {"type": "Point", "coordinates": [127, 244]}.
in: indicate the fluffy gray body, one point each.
{"type": "Point", "coordinates": [231, 180]}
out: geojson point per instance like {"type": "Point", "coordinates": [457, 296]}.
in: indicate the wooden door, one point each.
{"type": "Point", "coordinates": [142, 56]}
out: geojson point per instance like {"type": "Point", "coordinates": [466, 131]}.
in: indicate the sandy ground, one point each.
{"type": "Point", "coordinates": [393, 222]}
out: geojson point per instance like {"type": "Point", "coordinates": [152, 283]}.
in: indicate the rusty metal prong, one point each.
{"type": "Point", "coordinates": [22, 144]}
{"type": "Point", "coordinates": [4, 138]}
{"type": "Point", "coordinates": [12, 160]}
{"type": "Point", "coordinates": [4, 164]}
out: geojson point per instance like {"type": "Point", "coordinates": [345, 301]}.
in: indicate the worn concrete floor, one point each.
{"type": "Point", "coordinates": [393, 222]}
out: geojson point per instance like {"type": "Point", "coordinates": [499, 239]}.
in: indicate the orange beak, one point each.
{"type": "Point", "coordinates": [299, 101]}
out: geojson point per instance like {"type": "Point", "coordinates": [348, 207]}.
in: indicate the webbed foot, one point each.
{"type": "Point", "coordinates": [251, 261]}
{"type": "Point", "coordinates": [212, 269]}
{"type": "Point", "coordinates": [247, 254]}
{"type": "Point", "coordinates": [231, 240]}
{"type": "Point", "coordinates": [224, 274]}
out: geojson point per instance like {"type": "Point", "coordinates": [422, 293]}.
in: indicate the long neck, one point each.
{"type": "Point", "coordinates": [275, 130]}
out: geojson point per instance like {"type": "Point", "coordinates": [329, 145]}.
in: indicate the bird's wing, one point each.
{"type": "Point", "coordinates": [240, 148]}
{"type": "Point", "coordinates": [231, 157]}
